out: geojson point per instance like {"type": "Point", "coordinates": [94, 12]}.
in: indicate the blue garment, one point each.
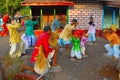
{"type": "Point", "coordinates": [28, 40]}
{"type": "Point", "coordinates": [61, 42]}
{"type": "Point", "coordinates": [91, 37]}
{"type": "Point", "coordinates": [113, 51]}
{"type": "Point", "coordinates": [55, 24]}
{"type": "Point", "coordinates": [28, 37]}
{"type": "Point", "coordinates": [91, 32]}
{"type": "Point", "coordinates": [1, 22]}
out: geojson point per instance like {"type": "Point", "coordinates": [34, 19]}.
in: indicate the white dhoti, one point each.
{"type": "Point", "coordinates": [17, 49]}
{"type": "Point", "coordinates": [83, 50]}
{"type": "Point", "coordinates": [76, 54]}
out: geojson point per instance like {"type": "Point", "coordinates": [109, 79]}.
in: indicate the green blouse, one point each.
{"type": "Point", "coordinates": [29, 27]}
{"type": "Point", "coordinates": [76, 44]}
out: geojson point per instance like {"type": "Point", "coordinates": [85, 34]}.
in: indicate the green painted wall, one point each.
{"type": "Point", "coordinates": [109, 18]}
{"type": "Point", "coordinates": [117, 18]}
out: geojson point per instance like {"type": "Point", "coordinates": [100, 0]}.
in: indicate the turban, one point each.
{"type": "Point", "coordinates": [113, 28]}
{"type": "Point", "coordinates": [77, 32]}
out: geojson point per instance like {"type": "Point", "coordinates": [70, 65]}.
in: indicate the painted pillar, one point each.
{"type": "Point", "coordinates": [54, 13]}
{"type": "Point", "coordinates": [113, 16]}
{"type": "Point", "coordinates": [41, 19]}
{"type": "Point", "coordinates": [30, 12]}
{"type": "Point", "coordinates": [103, 17]}
{"type": "Point", "coordinates": [67, 15]}
{"type": "Point", "coordinates": [119, 17]}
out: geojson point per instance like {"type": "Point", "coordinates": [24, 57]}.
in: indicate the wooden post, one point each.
{"type": "Point", "coordinates": [119, 18]}
{"type": "Point", "coordinates": [30, 12]}
{"type": "Point", "coordinates": [54, 13]}
{"type": "Point", "coordinates": [41, 19]}
{"type": "Point", "coordinates": [67, 16]}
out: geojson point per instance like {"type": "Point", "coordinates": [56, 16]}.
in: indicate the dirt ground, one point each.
{"type": "Point", "coordinates": [86, 69]}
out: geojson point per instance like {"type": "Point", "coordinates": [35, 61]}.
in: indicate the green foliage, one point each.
{"type": "Point", "coordinates": [2, 6]}
{"type": "Point", "coordinates": [25, 11]}
{"type": "Point", "coordinates": [12, 6]}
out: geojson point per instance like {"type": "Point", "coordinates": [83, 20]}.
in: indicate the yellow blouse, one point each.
{"type": "Point", "coordinates": [113, 38]}
{"type": "Point", "coordinates": [14, 36]}
{"type": "Point", "coordinates": [66, 33]}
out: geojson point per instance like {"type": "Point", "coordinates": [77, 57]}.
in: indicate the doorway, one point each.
{"type": "Point", "coordinates": [48, 13]}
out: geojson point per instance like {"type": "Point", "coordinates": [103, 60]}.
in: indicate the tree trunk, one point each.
{"type": "Point", "coordinates": [1, 71]}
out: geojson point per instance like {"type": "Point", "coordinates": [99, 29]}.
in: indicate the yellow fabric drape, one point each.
{"type": "Point", "coordinates": [53, 38]}
{"type": "Point", "coordinates": [40, 59]}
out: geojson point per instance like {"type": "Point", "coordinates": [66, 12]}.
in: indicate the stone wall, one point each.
{"type": "Point", "coordinates": [82, 10]}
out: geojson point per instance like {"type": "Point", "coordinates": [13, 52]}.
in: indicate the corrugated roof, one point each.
{"type": "Point", "coordinates": [47, 3]}
{"type": "Point", "coordinates": [112, 3]}
{"type": "Point", "coordinates": [29, 1]}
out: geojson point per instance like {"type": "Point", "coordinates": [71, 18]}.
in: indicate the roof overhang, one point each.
{"type": "Point", "coordinates": [62, 3]}
{"type": "Point", "coordinates": [111, 3]}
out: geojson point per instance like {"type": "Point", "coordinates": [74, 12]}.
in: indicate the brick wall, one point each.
{"type": "Point", "coordinates": [82, 10]}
